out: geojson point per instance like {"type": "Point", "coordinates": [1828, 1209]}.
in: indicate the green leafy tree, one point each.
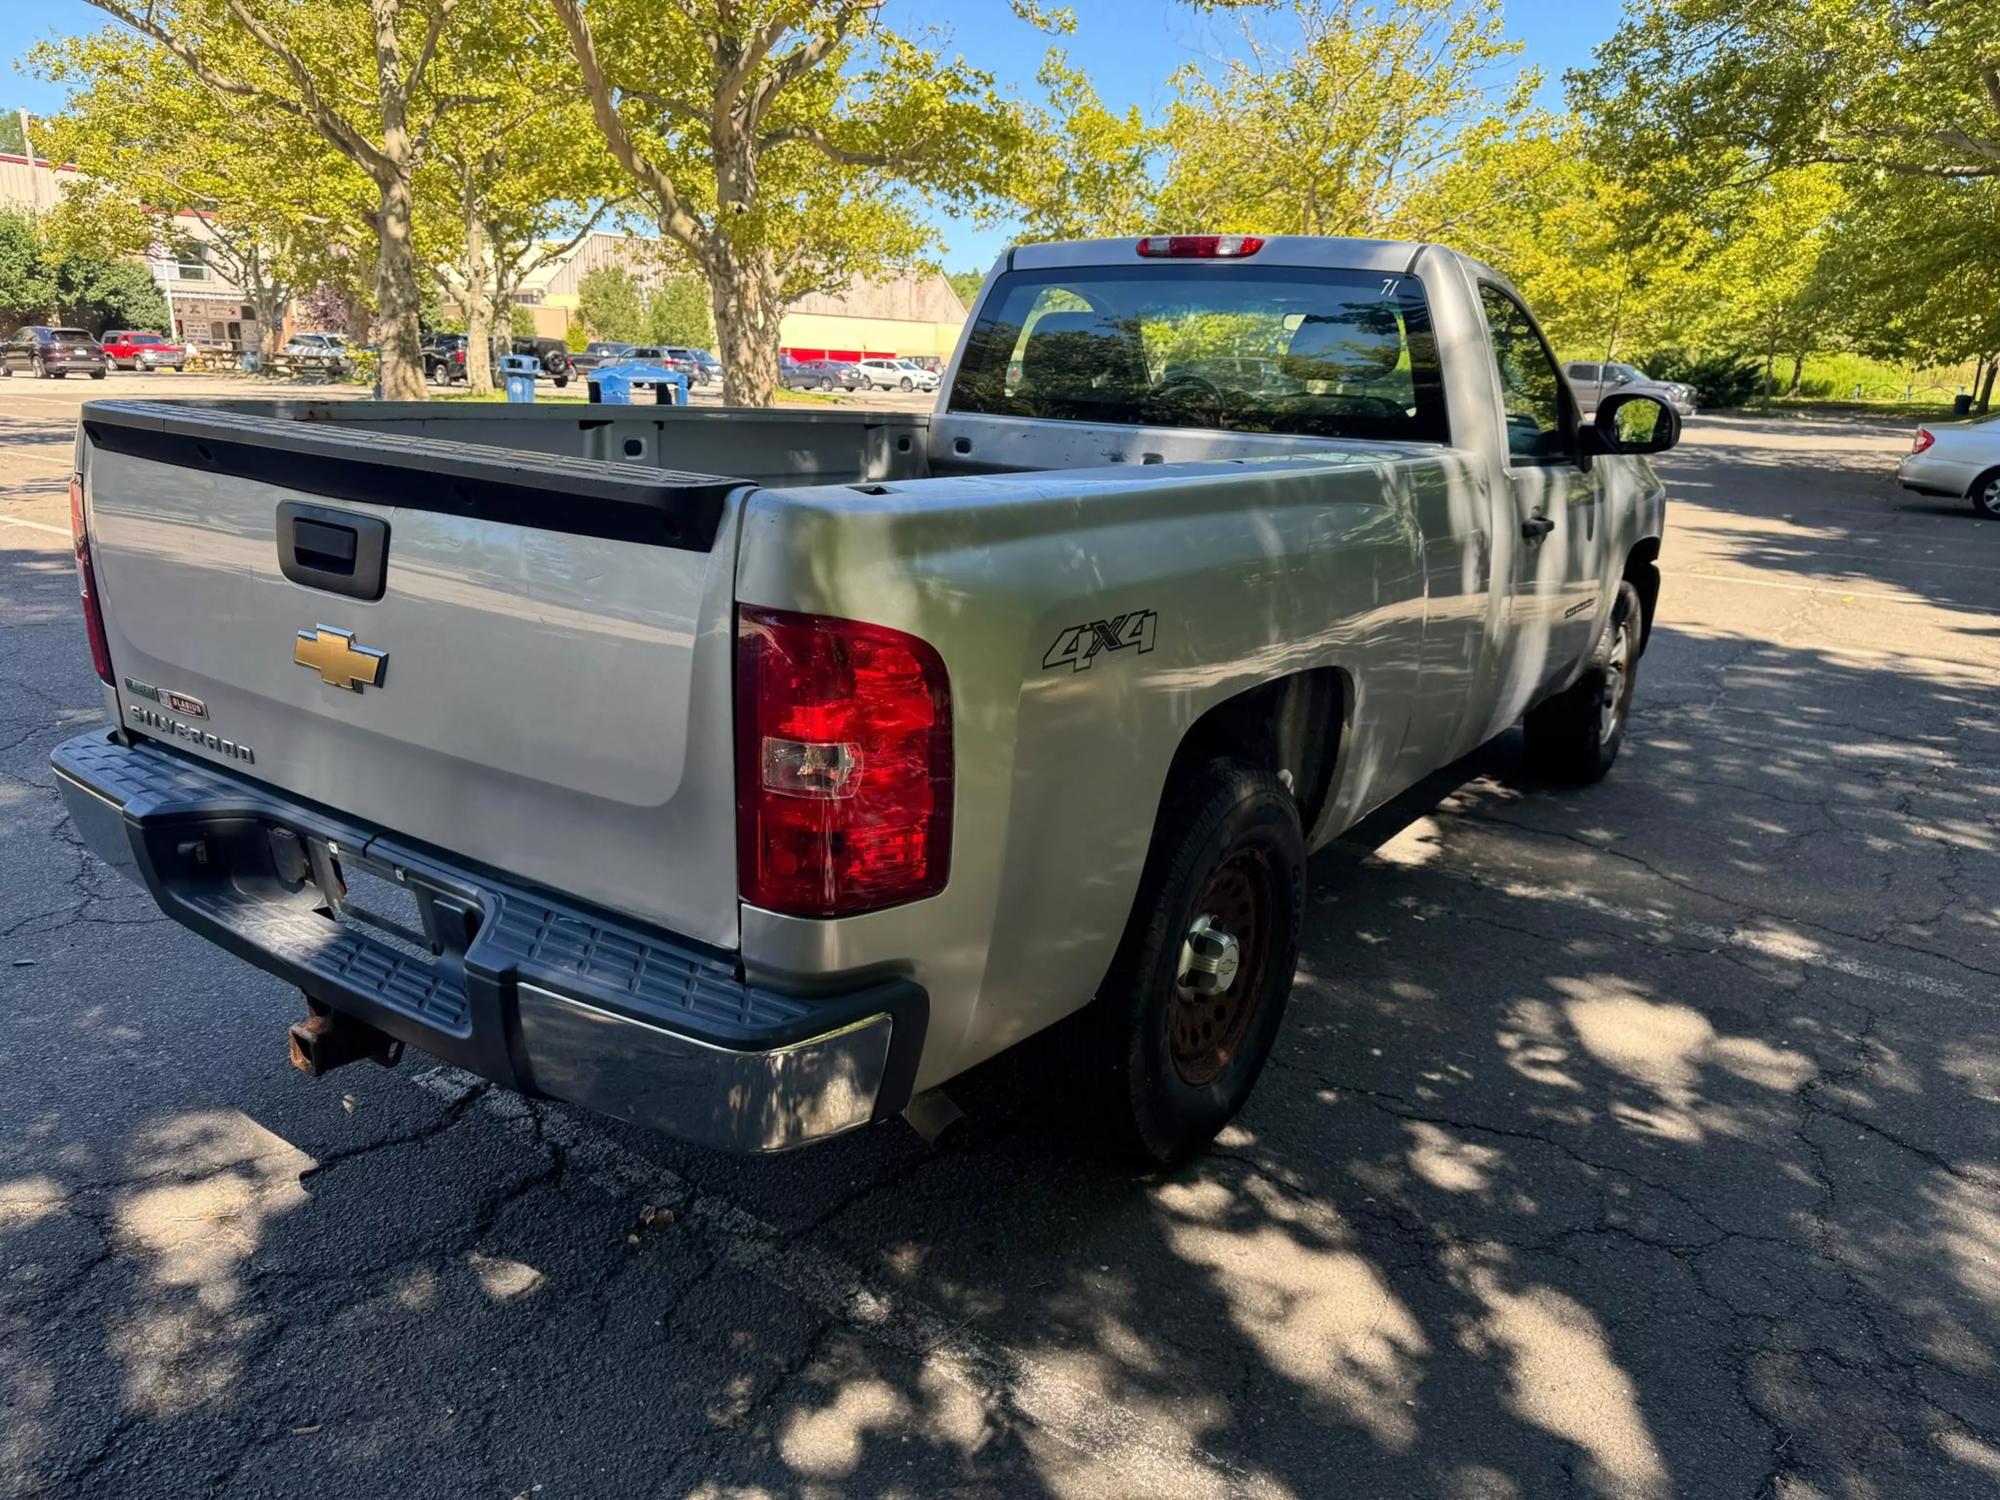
{"type": "Point", "coordinates": [782, 146]}
{"type": "Point", "coordinates": [1084, 169]}
{"type": "Point", "coordinates": [512, 180]}
{"type": "Point", "coordinates": [12, 141]}
{"type": "Point", "coordinates": [577, 337]}
{"type": "Point", "coordinates": [966, 284]}
{"type": "Point", "coordinates": [520, 323]}
{"type": "Point", "coordinates": [27, 290]}
{"type": "Point", "coordinates": [372, 77]}
{"type": "Point", "coordinates": [613, 304]}
{"type": "Point", "coordinates": [1744, 87]}
{"type": "Point", "coordinates": [1336, 131]}
{"type": "Point", "coordinates": [169, 165]}
{"type": "Point", "coordinates": [677, 313]}
{"type": "Point", "coordinates": [100, 294]}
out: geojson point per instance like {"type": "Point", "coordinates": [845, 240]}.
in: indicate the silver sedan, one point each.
{"type": "Point", "coordinates": [1962, 460]}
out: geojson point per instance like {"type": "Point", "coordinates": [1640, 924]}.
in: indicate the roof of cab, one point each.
{"type": "Point", "coordinates": [1283, 249]}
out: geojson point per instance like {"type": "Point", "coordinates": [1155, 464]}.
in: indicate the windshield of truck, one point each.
{"type": "Point", "coordinates": [1282, 349]}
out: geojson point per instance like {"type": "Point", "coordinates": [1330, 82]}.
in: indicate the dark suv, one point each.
{"type": "Point", "coordinates": [52, 353]}
{"type": "Point", "coordinates": [821, 375]}
{"type": "Point", "coordinates": [444, 357]}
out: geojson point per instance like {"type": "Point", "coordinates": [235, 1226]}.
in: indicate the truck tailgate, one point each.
{"type": "Point", "coordinates": [552, 693]}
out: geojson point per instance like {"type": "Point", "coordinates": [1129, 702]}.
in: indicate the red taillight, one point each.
{"type": "Point", "coordinates": [1922, 440]}
{"type": "Point", "coordinates": [86, 582]}
{"type": "Point", "coordinates": [1201, 246]}
{"type": "Point", "coordinates": [844, 766]}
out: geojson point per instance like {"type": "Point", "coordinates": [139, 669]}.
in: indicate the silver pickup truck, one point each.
{"type": "Point", "coordinates": [750, 773]}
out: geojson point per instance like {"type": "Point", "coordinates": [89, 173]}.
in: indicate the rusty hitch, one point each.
{"type": "Point", "coordinates": [327, 1039]}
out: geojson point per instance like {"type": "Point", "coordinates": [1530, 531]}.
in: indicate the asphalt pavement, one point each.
{"type": "Point", "coordinates": [1633, 1141]}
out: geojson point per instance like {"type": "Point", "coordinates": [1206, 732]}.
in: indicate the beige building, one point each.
{"type": "Point", "coordinates": [209, 311]}
{"type": "Point", "coordinates": [912, 317]}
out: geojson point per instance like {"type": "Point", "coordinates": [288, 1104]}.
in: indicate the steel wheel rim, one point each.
{"type": "Point", "coordinates": [1617, 693]}
{"type": "Point", "coordinates": [1205, 1033]}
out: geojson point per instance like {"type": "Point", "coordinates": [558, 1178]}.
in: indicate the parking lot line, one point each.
{"type": "Point", "coordinates": [62, 531]}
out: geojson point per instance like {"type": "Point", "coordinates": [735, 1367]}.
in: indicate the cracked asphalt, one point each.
{"type": "Point", "coordinates": [1634, 1141]}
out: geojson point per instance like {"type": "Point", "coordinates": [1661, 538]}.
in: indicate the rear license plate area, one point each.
{"type": "Point", "coordinates": [388, 903]}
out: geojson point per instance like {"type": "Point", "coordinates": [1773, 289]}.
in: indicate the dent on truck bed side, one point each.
{"type": "Point", "coordinates": [1087, 618]}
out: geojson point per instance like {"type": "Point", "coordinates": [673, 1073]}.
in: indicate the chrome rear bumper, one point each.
{"type": "Point", "coordinates": [518, 986]}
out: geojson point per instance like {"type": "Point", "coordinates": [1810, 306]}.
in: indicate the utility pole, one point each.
{"type": "Point", "coordinates": [28, 150]}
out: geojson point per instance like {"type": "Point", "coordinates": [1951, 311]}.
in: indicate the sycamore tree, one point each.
{"type": "Point", "coordinates": [169, 166]}
{"type": "Point", "coordinates": [1084, 169]}
{"type": "Point", "coordinates": [1750, 86]}
{"type": "Point", "coordinates": [512, 180]}
{"type": "Point", "coordinates": [1332, 122]}
{"type": "Point", "coordinates": [373, 78]}
{"type": "Point", "coordinates": [783, 146]}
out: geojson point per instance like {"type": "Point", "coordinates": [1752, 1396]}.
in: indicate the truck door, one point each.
{"type": "Point", "coordinates": [1561, 539]}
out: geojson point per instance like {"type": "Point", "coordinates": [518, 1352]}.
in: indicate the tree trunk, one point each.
{"type": "Point", "coordinates": [1986, 387]}
{"type": "Point", "coordinates": [1798, 370]}
{"type": "Point", "coordinates": [477, 277]}
{"type": "Point", "coordinates": [398, 335]}
{"type": "Point", "coordinates": [744, 291]}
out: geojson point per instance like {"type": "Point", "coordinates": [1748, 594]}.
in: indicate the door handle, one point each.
{"type": "Point", "coordinates": [1537, 527]}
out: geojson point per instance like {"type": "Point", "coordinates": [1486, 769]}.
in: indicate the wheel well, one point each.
{"type": "Point", "coordinates": [1642, 571]}
{"type": "Point", "coordinates": [1291, 723]}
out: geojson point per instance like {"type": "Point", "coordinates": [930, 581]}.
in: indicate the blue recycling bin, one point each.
{"type": "Point", "coordinates": [615, 385]}
{"type": "Point", "coordinates": [520, 371]}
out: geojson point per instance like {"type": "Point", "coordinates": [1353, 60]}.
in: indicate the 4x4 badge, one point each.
{"type": "Point", "coordinates": [339, 662]}
{"type": "Point", "coordinates": [1077, 646]}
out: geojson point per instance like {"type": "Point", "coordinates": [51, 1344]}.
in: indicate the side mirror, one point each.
{"type": "Point", "coordinates": [1633, 423]}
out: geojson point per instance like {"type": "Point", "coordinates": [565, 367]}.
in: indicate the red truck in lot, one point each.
{"type": "Point", "coordinates": [140, 349]}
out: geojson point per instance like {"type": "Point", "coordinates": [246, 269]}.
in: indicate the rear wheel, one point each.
{"type": "Point", "coordinates": [1985, 494]}
{"type": "Point", "coordinates": [97, 374]}
{"type": "Point", "coordinates": [1188, 1013]}
{"type": "Point", "coordinates": [41, 368]}
{"type": "Point", "coordinates": [909, 384]}
{"type": "Point", "coordinates": [1575, 736]}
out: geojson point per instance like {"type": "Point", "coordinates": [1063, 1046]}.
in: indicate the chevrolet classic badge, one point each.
{"type": "Point", "coordinates": [339, 662]}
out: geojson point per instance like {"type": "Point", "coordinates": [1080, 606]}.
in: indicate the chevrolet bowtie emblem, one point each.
{"type": "Point", "coordinates": [339, 662]}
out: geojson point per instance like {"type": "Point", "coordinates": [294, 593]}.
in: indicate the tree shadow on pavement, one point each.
{"type": "Point", "coordinates": [1628, 1141]}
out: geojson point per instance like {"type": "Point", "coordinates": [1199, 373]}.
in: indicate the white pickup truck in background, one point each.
{"type": "Point", "coordinates": [746, 773]}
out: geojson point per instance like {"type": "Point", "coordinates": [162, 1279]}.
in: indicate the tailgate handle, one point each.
{"type": "Point", "coordinates": [336, 551]}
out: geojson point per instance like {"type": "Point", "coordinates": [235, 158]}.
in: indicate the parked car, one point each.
{"type": "Point", "coordinates": [1961, 460]}
{"type": "Point", "coordinates": [52, 353]}
{"type": "Point", "coordinates": [897, 375]}
{"type": "Point", "coordinates": [328, 351]}
{"type": "Point", "coordinates": [821, 375]}
{"type": "Point", "coordinates": [444, 357]}
{"type": "Point", "coordinates": [764, 798]}
{"type": "Point", "coordinates": [600, 352]}
{"type": "Point", "coordinates": [140, 349]}
{"type": "Point", "coordinates": [1592, 382]}
{"type": "Point", "coordinates": [552, 354]}
{"type": "Point", "coordinates": [700, 367]}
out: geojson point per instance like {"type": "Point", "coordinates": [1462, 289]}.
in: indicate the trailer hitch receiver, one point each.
{"type": "Point", "coordinates": [326, 1039]}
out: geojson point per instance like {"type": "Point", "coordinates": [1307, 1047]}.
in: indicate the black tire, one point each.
{"type": "Point", "coordinates": [1176, 1065]}
{"type": "Point", "coordinates": [42, 371]}
{"type": "Point", "coordinates": [1985, 494]}
{"type": "Point", "coordinates": [561, 381]}
{"type": "Point", "coordinates": [909, 384]}
{"type": "Point", "coordinates": [1574, 737]}
{"type": "Point", "coordinates": [826, 384]}
{"type": "Point", "coordinates": [97, 374]}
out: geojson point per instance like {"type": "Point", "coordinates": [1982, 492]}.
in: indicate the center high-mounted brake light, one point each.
{"type": "Point", "coordinates": [1922, 440]}
{"type": "Point", "coordinates": [1200, 246]}
{"type": "Point", "coordinates": [844, 765]}
{"type": "Point", "coordinates": [86, 582]}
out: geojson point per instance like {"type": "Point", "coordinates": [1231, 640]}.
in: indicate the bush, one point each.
{"type": "Point", "coordinates": [1718, 379]}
